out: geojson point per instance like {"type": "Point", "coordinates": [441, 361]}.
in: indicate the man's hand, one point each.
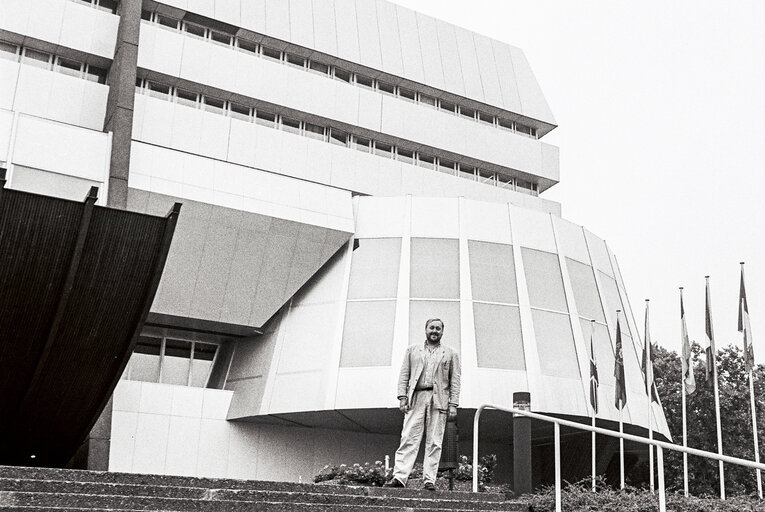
{"type": "Point", "coordinates": [452, 413]}
{"type": "Point", "coordinates": [403, 405]}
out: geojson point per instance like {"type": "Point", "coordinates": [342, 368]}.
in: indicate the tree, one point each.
{"type": "Point", "coordinates": [736, 421]}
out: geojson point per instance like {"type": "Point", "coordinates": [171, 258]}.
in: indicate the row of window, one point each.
{"type": "Point", "coordinates": [103, 5]}
{"type": "Point", "coordinates": [330, 135]}
{"type": "Point", "coordinates": [171, 361]}
{"type": "Point", "coordinates": [338, 73]}
{"type": "Point", "coordinates": [55, 62]}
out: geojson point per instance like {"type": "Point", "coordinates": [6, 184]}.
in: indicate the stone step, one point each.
{"type": "Point", "coordinates": [57, 501]}
{"type": "Point", "coordinates": [150, 481]}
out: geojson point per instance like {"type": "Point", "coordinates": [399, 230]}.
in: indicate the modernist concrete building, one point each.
{"type": "Point", "coordinates": [347, 168]}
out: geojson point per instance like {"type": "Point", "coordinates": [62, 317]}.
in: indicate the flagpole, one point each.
{"type": "Point", "coordinates": [745, 327]}
{"type": "Point", "coordinates": [687, 365]}
{"type": "Point", "coordinates": [621, 447]}
{"type": "Point", "coordinates": [594, 411]}
{"type": "Point", "coordinates": [648, 383]}
{"type": "Point", "coordinates": [685, 441]}
{"type": "Point", "coordinates": [717, 391]}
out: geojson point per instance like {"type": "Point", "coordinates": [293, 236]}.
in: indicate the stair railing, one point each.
{"type": "Point", "coordinates": [557, 422]}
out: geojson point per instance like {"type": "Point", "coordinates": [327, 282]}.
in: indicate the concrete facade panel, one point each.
{"type": "Point", "coordinates": [407, 31]}
{"type": "Point", "coordinates": [532, 229]}
{"type": "Point", "coordinates": [450, 58]}
{"type": "Point", "coordinates": [324, 30]}
{"type": "Point", "coordinates": [503, 59]}
{"type": "Point", "coordinates": [301, 23]}
{"type": "Point", "coordinates": [471, 73]}
{"type": "Point", "coordinates": [278, 19]}
{"type": "Point", "coordinates": [229, 11]}
{"type": "Point", "coordinates": [431, 53]}
{"type": "Point", "coordinates": [347, 30]}
{"type": "Point", "coordinates": [390, 40]}
{"type": "Point", "coordinates": [14, 15]}
{"type": "Point", "coordinates": [532, 99]}
{"type": "Point", "coordinates": [9, 72]}
{"type": "Point", "coordinates": [204, 7]}
{"type": "Point", "coordinates": [488, 67]}
{"type": "Point", "coordinates": [253, 13]}
{"type": "Point", "coordinates": [369, 34]}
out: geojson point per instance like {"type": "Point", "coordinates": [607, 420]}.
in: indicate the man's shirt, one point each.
{"type": "Point", "coordinates": [429, 370]}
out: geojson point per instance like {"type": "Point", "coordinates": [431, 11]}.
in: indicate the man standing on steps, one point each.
{"type": "Point", "coordinates": [428, 390]}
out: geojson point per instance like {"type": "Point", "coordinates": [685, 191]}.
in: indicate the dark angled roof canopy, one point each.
{"type": "Point", "coordinates": [76, 284]}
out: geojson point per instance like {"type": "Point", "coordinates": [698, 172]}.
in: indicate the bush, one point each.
{"type": "Point", "coordinates": [579, 497]}
{"type": "Point", "coordinates": [375, 474]}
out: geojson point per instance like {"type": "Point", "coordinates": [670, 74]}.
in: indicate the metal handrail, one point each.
{"type": "Point", "coordinates": [660, 446]}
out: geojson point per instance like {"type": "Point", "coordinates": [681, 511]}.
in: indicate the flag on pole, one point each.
{"type": "Point", "coordinates": [687, 355]}
{"type": "Point", "coordinates": [646, 364]}
{"type": "Point", "coordinates": [593, 374]}
{"type": "Point", "coordinates": [709, 363]}
{"type": "Point", "coordinates": [620, 398]}
{"type": "Point", "coordinates": [743, 324]}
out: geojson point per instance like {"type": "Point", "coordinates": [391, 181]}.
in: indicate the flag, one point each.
{"type": "Point", "coordinates": [646, 364]}
{"type": "Point", "coordinates": [709, 363]}
{"type": "Point", "coordinates": [744, 326]}
{"type": "Point", "coordinates": [620, 398]}
{"type": "Point", "coordinates": [687, 355]}
{"type": "Point", "coordinates": [593, 374]}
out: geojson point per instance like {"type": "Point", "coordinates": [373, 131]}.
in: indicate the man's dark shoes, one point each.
{"type": "Point", "coordinates": [429, 486]}
{"type": "Point", "coordinates": [393, 482]}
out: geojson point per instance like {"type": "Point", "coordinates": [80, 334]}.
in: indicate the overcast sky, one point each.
{"type": "Point", "coordinates": [661, 128]}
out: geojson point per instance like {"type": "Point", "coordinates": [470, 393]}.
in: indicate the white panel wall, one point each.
{"type": "Point", "coordinates": [471, 73]}
{"type": "Point", "coordinates": [301, 22]}
{"type": "Point", "coordinates": [431, 55]}
{"type": "Point", "coordinates": [347, 30]}
{"type": "Point", "coordinates": [447, 43]}
{"type": "Point", "coordinates": [62, 22]}
{"type": "Point", "coordinates": [61, 148]}
{"type": "Point", "coordinates": [487, 65]}
{"type": "Point", "coordinates": [324, 30]}
{"type": "Point", "coordinates": [227, 69]}
{"type": "Point", "coordinates": [390, 41]}
{"type": "Point", "coordinates": [369, 35]}
{"type": "Point", "coordinates": [503, 58]}
{"type": "Point", "coordinates": [179, 174]}
{"type": "Point", "coordinates": [183, 128]}
{"type": "Point", "coordinates": [410, 44]}
{"type": "Point", "coordinates": [278, 19]}
{"type": "Point", "coordinates": [532, 100]}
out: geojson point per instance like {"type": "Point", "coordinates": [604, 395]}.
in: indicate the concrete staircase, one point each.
{"type": "Point", "coordinates": [24, 489]}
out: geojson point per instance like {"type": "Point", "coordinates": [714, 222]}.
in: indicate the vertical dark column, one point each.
{"type": "Point", "coordinates": [119, 106]}
{"type": "Point", "coordinates": [521, 445]}
{"type": "Point", "coordinates": [94, 452]}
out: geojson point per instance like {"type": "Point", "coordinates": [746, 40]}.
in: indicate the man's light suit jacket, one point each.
{"type": "Point", "coordinates": [446, 381]}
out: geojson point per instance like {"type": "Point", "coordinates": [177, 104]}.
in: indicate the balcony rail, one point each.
{"type": "Point", "coordinates": [660, 447]}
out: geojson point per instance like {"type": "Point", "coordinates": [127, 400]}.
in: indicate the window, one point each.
{"type": "Point", "coordinates": [171, 361]}
{"type": "Point", "coordinates": [220, 38]}
{"type": "Point", "coordinates": [313, 131]}
{"type": "Point", "coordinates": [505, 182]}
{"type": "Point", "coordinates": [290, 125]}
{"type": "Point", "coordinates": [35, 58]}
{"type": "Point", "coordinates": [405, 155]}
{"type": "Point", "coordinates": [445, 166]}
{"type": "Point", "coordinates": [428, 100]}
{"type": "Point", "coordinates": [504, 123]}
{"type": "Point", "coordinates": [95, 74]}
{"type": "Point", "coordinates": [375, 268]}
{"type": "Point", "coordinates": [407, 94]}
{"type": "Point", "coordinates": [185, 97]}
{"type": "Point", "coordinates": [365, 81]}
{"type": "Point", "coordinates": [240, 111]}
{"type": "Point", "coordinates": [523, 186]}
{"type": "Point", "coordinates": [485, 176]}
{"type": "Point", "coordinates": [68, 67]}
{"type": "Point", "coordinates": [434, 269]}
{"type": "Point", "coordinates": [361, 144]}
{"type": "Point", "coordinates": [265, 118]}
{"type": "Point", "coordinates": [294, 60]}
{"type": "Point", "coordinates": [9, 51]}
{"type": "Point", "coordinates": [386, 88]}
{"type": "Point", "coordinates": [338, 137]}
{"type": "Point", "coordinates": [146, 15]}
{"type": "Point", "coordinates": [486, 118]}
{"type": "Point", "coordinates": [318, 67]}
{"type": "Point", "coordinates": [270, 53]}
{"type": "Point", "coordinates": [428, 161]}
{"type": "Point", "coordinates": [465, 171]}
{"type": "Point", "coordinates": [194, 30]}
{"type": "Point", "coordinates": [164, 21]}
{"type": "Point", "coordinates": [467, 112]}
{"type": "Point", "coordinates": [247, 46]}
{"type": "Point", "coordinates": [447, 106]}
{"type": "Point", "coordinates": [343, 75]}
{"type": "Point", "coordinates": [108, 6]}
{"type": "Point", "coordinates": [158, 90]}
{"type": "Point", "coordinates": [382, 149]}
{"type": "Point", "coordinates": [214, 105]}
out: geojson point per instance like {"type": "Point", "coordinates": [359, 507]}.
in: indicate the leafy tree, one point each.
{"type": "Point", "coordinates": [735, 414]}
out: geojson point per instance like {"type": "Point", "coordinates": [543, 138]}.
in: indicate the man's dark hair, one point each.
{"type": "Point", "coordinates": [427, 322]}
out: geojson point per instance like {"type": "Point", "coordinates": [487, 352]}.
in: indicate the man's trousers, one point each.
{"type": "Point", "coordinates": [422, 416]}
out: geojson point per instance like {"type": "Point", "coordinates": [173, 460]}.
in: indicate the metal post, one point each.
{"type": "Point", "coordinates": [521, 445]}
{"type": "Point", "coordinates": [475, 447]}
{"type": "Point", "coordinates": [662, 496]}
{"type": "Point", "coordinates": [557, 468]}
